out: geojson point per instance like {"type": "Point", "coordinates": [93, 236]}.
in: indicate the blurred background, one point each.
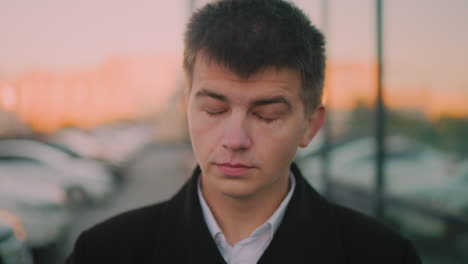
{"type": "Point", "coordinates": [92, 118]}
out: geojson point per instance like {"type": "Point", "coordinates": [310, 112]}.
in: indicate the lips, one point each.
{"type": "Point", "coordinates": [233, 169]}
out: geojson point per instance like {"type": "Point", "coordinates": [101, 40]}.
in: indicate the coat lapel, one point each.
{"type": "Point", "coordinates": [185, 236]}
{"type": "Point", "coordinates": [308, 232]}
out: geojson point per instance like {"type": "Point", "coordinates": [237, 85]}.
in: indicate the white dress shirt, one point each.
{"type": "Point", "coordinates": [250, 249]}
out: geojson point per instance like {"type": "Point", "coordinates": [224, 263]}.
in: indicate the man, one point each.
{"type": "Point", "coordinates": [255, 71]}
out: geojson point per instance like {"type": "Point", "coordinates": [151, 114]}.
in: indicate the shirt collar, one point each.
{"type": "Point", "coordinates": [274, 221]}
{"type": "Point", "coordinates": [210, 221]}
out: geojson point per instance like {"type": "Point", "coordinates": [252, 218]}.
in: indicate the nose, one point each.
{"type": "Point", "coordinates": [236, 135]}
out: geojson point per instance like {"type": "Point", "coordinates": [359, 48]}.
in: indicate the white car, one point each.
{"type": "Point", "coordinates": [114, 144]}
{"type": "Point", "coordinates": [82, 179]}
{"type": "Point", "coordinates": [450, 196]}
{"type": "Point", "coordinates": [41, 207]}
{"type": "Point", "coordinates": [408, 164]}
{"type": "Point", "coordinates": [414, 172]}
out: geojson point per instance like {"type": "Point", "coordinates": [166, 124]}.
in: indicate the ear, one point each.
{"type": "Point", "coordinates": [315, 121]}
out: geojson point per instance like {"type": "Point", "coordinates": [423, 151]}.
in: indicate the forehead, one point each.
{"type": "Point", "coordinates": [207, 74]}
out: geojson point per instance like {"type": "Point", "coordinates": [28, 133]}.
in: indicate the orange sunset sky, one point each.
{"type": "Point", "coordinates": [125, 88]}
{"type": "Point", "coordinates": [90, 62]}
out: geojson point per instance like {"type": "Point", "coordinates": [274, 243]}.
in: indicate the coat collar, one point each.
{"type": "Point", "coordinates": [308, 230]}
{"type": "Point", "coordinates": [184, 236]}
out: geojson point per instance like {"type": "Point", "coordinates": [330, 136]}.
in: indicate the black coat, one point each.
{"type": "Point", "coordinates": [313, 230]}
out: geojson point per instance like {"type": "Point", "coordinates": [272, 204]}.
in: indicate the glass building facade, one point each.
{"type": "Point", "coordinates": [417, 180]}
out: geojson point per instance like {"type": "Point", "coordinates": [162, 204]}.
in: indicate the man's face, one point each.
{"type": "Point", "coordinates": [245, 133]}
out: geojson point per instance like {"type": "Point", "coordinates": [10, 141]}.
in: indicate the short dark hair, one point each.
{"type": "Point", "coordinates": [247, 36]}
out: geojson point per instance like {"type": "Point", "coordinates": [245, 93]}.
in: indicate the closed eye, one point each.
{"type": "Point", "coordinates": [265, 119]}
{"type": "Point", "coordinates": [214, 113]}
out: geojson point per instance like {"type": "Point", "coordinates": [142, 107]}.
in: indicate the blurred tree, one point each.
{"type": "Point", "coordinates": [453, 132]}
{"type": "Point", "coordinates": [448, 134]}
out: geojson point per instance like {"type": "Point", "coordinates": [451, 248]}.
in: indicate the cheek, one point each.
{"type": "Point", "coordinates": [202, 134]}
{"type": "Point", "coordinates": [278, 144]}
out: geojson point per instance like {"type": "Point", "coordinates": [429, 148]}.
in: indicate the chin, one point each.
{"type": "Point", "coordinates": [238, 195]}
{"type": "Point", "coordinates": [238, 192]}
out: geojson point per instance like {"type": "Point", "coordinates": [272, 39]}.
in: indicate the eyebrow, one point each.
{"type": "Point", "coordinates": [272, 100]}
{"type": "Point", "coordinates": [214, 95]}
{"type": "Point", "coordinates": [254, 103]}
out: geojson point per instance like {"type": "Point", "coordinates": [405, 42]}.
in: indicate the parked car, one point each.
{"type": "Point", "coordinates": [451, 196]}
{"type": "Point", "coordinates": [12, 249]}
{"type": "Point", "coordinates": [414, 172]}
{"type": "Point", "coordinates": [409, 165]}
{"type": "Point", "coordinates": [41, 206]}
{"type": "Point", "coordinates": [82, 179]}
{"type": "Point", "coordinates": [114, 144]}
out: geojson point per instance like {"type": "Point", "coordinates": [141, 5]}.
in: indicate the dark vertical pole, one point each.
{"type": "Point", "coordinates": [325, 153]}
{"type": "Point", "coordinates": [380, 117]}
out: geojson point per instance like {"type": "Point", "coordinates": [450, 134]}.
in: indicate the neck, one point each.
{"type": "Point", "coordinates": [239, 217]}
